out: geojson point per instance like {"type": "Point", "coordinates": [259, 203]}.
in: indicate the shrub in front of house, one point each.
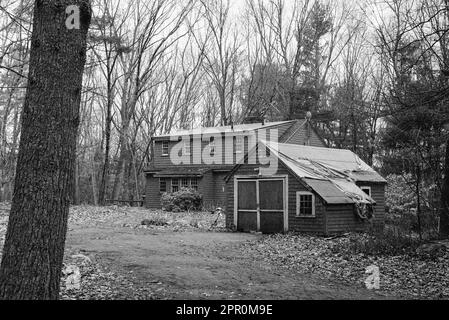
{"type": "Point", "coordinates": [185, 199]}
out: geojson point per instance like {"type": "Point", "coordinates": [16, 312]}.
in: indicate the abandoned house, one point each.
{"type": "Point", "coordinates": [314, 190]}
{"type": "Point", "coordinates": [202, 158]}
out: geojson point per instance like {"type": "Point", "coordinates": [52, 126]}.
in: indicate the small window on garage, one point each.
{"type": "Point", "coordinates": [162, 185]}
{"type": "Point", "coordinates": [367, 190]}
{"type": "Point", "coordinates": [305, 204]}
{"type": "Point", "coordinates": [174, 185]}
{"type": "Point", "coordinates": [165, 148]}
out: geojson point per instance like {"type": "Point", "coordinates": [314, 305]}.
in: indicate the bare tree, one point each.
{"type": "Point", "coordinates": [222, 53]}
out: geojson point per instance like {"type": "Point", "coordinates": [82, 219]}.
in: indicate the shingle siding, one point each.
{"type": "Point", "coordinates": [152, 195]}
{"type": "Point", "coordinates": [212, 184]}
{"type": "Point", "coordinates": [329, 219]}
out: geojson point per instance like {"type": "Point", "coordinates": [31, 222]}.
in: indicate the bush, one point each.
{"type": "Point", "coordinates": [373, 243]}
{"type": "Point", "coordinates": [401, 206]}
{"type": "Point", "coordinates": [183, 200]}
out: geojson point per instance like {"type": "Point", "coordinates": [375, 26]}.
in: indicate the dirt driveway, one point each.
{"type": "Point", "coordinates": [200, 265]}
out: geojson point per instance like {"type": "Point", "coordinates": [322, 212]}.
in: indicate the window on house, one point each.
{"type": "Point", "coordinates": [367, 190]}
{"type": "Point", "coordinates": [184, 183]}
{"type": "Point", "coordinates": [239, 144]}
{"type": "Point", "coordinates": [305, 204]}
{"type": "Point", "coordinates": [174, 185]}
{"type": "Point", "coordinates": [194, 184]}
{"type": "Point", "coordinates": [164, 148]}
{"type": "Point", "coordinates": [212, 145]}
{"type": "Point", "coordinates": [187, 148]}
{"type": "Point", "coordinates": [162, 185]}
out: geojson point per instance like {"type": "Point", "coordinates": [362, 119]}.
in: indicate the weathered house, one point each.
{"type": "Point", "coordinates": [202, 158]}
{"type": "Point", "coordinates": [316, 190]}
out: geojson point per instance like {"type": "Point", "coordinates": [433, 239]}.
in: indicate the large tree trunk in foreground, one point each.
{"type": "Point", "coordinates": [34, 247]}
{"type": "Point", "coordinates": [444, 214]}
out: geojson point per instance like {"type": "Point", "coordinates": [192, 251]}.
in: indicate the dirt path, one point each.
{"type": "Point", "coordinates": [200, 265]}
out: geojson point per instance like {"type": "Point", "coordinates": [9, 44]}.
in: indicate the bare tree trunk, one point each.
{"type": "Point", "coordinates": [418, 199]}
{"type": "Point", "coordinates": [34, 246]}
{"type": "Point", "coordinates": [444, 212]}
{"type": "Point", "coordinates": [76, 191]}
{"type": "Point", "coordinates": [121, 165]}
{"type": "Point", "coordinates": [105, 171]}
{"type": "Point", "coordinates": [94, 183]}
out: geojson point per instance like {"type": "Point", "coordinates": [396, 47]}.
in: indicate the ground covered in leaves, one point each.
{"type": "Point", "coordinates": [98, 280]}
{"type": "Point", "coordinates": [404, 276]}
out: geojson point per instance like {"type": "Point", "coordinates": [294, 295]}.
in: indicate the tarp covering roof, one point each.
{"type": "Point", "coordinates": [332, 173]}
{"type": "Point", "coordinates": [328, 191]}
{"type": "Point", "coordinates": [328, 162]}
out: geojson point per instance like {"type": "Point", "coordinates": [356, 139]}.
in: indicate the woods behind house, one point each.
{"type": "Point", "coordinates": [374, 75]}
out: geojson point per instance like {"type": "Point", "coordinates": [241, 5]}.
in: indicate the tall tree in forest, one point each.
{"type": "Point", "coordinates": [222, 54]}
{"type": "Point", "coordinates": [34, 246]}
{"type": "Point", "coordinates": [109, 39]}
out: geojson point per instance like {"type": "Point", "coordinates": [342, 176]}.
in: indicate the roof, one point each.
{"type": "Point", "coordinates": [240, 128]}
{"type": "Point", "coordinates": [181, 172]}
{"type": "Point", "coordinates": [331, 173]}
{"type": "Point", "coordinates": [315, 162]}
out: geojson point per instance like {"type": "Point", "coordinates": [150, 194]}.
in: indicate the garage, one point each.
{"type": "Point", "coordinates": [261, 204]}
{"type": "Point", "coordinates": [313, 190]}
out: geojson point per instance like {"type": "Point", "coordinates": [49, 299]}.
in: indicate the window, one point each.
{"type": "Point", "coordinates": [187, 147]}
{"type": "Point", "coordinates": [162, 185]}
{"type": "Point", "coordinates": [367, 190]}
{"type": "Point", "coordinates": [305, 204]}
{"type": "Point", "coordinates": [194, 184]}
{"type": "Point", "coordinates": [174, 185]}
{"type": "Point", "coordinates": [212, 145]}
{"type": "Point", "coordinates": [164, 148]}
{"type": "Point", "coordinates": [238, 144]}
{"type": "Point", "coordinates": [184, 183]}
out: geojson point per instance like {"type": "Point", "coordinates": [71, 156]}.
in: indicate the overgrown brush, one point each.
{"type": "Point", "coordinates": [389, 242]}
{"type": "Point", "coordinates": [184, 200]}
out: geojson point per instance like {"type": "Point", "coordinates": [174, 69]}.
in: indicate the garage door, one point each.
{"type": "Point", "coordinates": [260, 205]}
{"type": "Point", "coordinates": [247, 206]}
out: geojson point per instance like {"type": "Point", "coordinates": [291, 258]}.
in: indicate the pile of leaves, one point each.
{"type": "Point", "coordinates": [99, 283]}
{"type": "Point", "coordinates": [134, 217]}
{"type": "Point", "coordinates": [402, 275]}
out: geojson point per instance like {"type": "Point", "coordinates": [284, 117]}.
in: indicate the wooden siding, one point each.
{"type": "Point", "coordinates": [300, 137]}
{"type": "Point", "coordinates": [342, 218]}
{"type": "Point", "coordinates": [210, 186]}
{"type": "Point", "coordinates": [378, 194]}
{"type": "Point", "coordinates": [329, 219]}
{"type": "Point", "coordinates": [152, 194]}
{"type": "Point", "coordinates": [229, 158]}
{"type": "Point", "coordinates": [301, 224]}
{"type": "Point", "coordinates": [219, 190]}
{"type": "Point", "coordinates": [205, 188]}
